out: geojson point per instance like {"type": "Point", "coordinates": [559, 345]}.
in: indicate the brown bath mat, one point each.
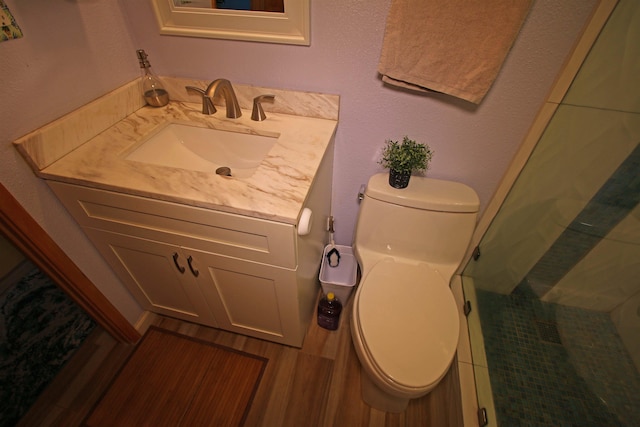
{"type": "Point", "coordinates": [175, 380]}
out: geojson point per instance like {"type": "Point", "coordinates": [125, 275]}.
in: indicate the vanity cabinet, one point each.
{"type": "Point", "coordinates": [156, 274]}
{"type": "Point", "coordinates": [229, 271]}
{"type": "Point", "coordinates": [256, 274]}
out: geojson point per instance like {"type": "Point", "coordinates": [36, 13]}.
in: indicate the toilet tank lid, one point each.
{"type": "Point", "coordinates": [425, 193]}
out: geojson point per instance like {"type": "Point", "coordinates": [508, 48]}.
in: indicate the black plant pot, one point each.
{"type": "Point", "coordinates": [399, 179]}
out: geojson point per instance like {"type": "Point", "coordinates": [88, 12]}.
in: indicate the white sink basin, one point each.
{"type": "Point", "coordinates": [204, 149]}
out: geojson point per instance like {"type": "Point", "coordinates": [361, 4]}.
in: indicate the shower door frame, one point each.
{"type": "Point", "coordinates": [590, 33]}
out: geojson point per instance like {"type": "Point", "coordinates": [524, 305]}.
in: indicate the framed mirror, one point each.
{"type": "Point", "coordinates": [192, 19]}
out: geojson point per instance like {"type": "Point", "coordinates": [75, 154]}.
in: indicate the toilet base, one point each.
{"type": "Point", "coordinates": [373, 396]}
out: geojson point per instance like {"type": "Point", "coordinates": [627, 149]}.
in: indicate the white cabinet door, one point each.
{"type": "Point", "coordinates": [157, 274]}
{"type": "Point", "coordinates": [250, 298]}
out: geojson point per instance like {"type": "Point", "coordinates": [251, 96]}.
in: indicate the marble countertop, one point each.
{"type": "Point", "coordinates": [276, 191]}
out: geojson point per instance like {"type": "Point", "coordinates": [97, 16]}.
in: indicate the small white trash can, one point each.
{"type": "Point", "coordinates": [340, 279]}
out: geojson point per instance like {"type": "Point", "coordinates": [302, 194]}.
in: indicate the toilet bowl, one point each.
{"type": "Point", "coordinates": [404, 322]}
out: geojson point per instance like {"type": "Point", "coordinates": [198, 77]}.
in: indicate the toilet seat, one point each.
{"type": "Point", "coordinates": [408, 322]}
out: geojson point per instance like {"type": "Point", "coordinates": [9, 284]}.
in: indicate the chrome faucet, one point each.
{"type": "Point", "coordinates": [224, 87]}
{"type": "Point", "coordinates": [230, 100]}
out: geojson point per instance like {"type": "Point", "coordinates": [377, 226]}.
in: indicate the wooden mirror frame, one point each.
{"type": "Point", "coordinates": [290, 27]}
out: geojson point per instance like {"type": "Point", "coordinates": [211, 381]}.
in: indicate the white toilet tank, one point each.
{"type": "Point", "coordinates": [429, 221]}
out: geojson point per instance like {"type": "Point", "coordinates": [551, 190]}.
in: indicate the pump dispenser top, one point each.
{"type": "Point", "coordinates": [152, 90]}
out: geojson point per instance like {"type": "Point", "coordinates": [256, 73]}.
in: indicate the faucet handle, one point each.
{"type": "Point", "coordinates": [257, 113]}
{"type": "Point", "coordinates": [207, 103]}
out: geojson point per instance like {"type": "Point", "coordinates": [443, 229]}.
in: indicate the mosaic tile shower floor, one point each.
{"type": "Point", "coordinates": [553, 365]}
{"type": "Point", "coordinates": [40, 328]}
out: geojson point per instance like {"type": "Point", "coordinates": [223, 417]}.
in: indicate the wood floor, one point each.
{"type": "Point", "coordinates": [318, 385]}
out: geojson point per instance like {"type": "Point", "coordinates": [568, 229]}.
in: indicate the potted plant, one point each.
{"type": "Point", "coordinates": [404, 158]}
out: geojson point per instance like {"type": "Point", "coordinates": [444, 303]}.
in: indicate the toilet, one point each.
{"type": "Point", "coordinates": [405, 323]}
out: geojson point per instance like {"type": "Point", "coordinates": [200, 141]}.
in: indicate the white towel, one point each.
{"type": "Point", "coordinates": [452, 46]}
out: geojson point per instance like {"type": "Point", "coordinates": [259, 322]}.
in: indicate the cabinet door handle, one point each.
{"type": "Point", "coordinates": [175, 261]}
{"type": "Point", "coordinates": [193, 270]}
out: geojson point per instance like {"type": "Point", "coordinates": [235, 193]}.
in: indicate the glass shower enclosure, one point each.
{"type": "Point", "coordinates": [555, 328]}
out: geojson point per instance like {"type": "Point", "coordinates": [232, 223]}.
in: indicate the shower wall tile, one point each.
{"type": "Point", "coordinates": [554, 365]}
{"type": "Point", "coordinates": [614, 202]}
{"type": "Point", "coordinates": [607, 275]}
{"type": "Point", "coordinates": [612, 68]}
{"type": "Point", "coordinates": [580, 149]}
{"type": "Point", "coordinates": [626, 319]}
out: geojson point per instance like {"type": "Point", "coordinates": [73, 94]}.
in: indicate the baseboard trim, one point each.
{"type": "Point", "coordinates": [145, 320]}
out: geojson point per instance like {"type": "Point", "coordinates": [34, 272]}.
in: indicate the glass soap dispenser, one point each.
{"type": "Point", "coordinates": [152, 90]}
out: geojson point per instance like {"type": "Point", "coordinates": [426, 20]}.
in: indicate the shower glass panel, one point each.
{"type": "Point", "coordinates": [557, 285]}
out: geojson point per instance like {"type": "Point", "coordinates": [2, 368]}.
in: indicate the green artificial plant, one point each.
{"type": "Point", "coordinates": [406, 157]}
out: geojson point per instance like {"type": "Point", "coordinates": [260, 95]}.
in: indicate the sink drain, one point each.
{"type": "Point", "coordinates": [224, 171]}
